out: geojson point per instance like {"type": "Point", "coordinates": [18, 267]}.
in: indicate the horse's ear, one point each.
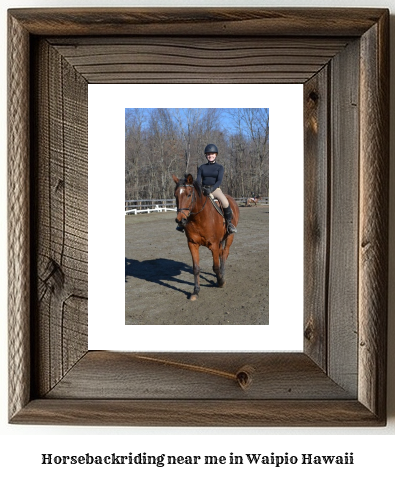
{"type": "Point", "coordinates": [175, 179]}
{"type": "Point", "coordinates": [189, 179]}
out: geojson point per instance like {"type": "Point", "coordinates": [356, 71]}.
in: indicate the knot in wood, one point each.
{"type": "Point", "coordinates": [313, 96]}
{"type": "Point", "coordinates": [244, 376]}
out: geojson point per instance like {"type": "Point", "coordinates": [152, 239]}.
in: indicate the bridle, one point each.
{"type": "Point", "coordinates": [193, 202]}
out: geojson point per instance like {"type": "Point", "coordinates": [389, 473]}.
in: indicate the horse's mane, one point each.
{"type": "Point", "coordinates": [197, 187]}
{"type": "Point", "coordinates": [183, 182]}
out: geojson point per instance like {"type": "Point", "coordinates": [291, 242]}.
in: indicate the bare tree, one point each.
{"type": "Point", "coordinates": [159, 142]}
{"type": "Point", "coordinates": [134, 146]}
{"type": "Point", "coordinates": [188, 122]}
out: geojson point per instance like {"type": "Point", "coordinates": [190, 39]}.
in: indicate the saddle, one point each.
{"type": "Point", "coordinates": [217, 204]}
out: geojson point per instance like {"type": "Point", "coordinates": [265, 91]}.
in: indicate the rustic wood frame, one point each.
{"type": "Point", "coordinates": [341, 56]}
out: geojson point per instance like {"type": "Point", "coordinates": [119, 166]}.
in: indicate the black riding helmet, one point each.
{"type": "Point", "coordinates": [210, 148]}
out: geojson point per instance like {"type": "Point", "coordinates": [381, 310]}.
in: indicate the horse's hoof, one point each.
{"type": "Point", "coordinates": [222, 284]}
{"type": "Point", "coordinates": [193, 297]}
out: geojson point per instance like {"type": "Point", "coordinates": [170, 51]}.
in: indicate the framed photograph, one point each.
{"type": "Point", "coordinates": [341, 59]}
{"type": "Point", "coordinates": [156, 285]}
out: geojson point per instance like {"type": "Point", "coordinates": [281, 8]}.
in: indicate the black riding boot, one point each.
{"type": "Point", "coordinates": [228, 218]}
{"type": "Point", "coordinates": [180, 228]}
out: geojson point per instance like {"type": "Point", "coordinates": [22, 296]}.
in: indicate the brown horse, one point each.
{"type": "Point", "coordinates": [204, 226]}
{"type": "Point", "coordinates": [251, 201]}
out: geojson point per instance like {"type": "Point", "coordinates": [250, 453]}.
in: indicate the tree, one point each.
{"type": "Point", "coordinates": [162, 141]}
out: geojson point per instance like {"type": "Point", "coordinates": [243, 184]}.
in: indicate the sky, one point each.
{"type": "Point", "coordinates": [226, 120]}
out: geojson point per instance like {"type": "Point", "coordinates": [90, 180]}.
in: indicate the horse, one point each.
{"type": "Point", "coordinates": [251, 201]}
{"type": "Point", "coordinates": [204, 226]}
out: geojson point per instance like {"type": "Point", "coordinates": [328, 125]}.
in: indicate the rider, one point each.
{"type": "Point", "coordinates": [210, 175]}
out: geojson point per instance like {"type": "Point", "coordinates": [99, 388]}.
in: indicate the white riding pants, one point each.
{"type": "Point", "coordinates": [218, 194]}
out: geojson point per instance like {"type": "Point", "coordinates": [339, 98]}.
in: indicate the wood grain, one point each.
{"type": "Point", "coordinates": [373, 233]}
{"type": "Point", "coordinates": [203, 375]}
{"type": "Point", "coordinates": [343, 281]}
{"type": "Point", "coordinates": [60, 197]}
{"type": "Point", "coordinates": [316, 214]}
{"type": "Point", "coordinates": [341, 56]}
{"type": "Point", "coordinates": [329, 22]}
{"type": "Point", "coordinates": [202, 413]}
{"type": "Point", "coordinates": [208, 60]}
{"type": "Point", "coordinates": [18, 218]}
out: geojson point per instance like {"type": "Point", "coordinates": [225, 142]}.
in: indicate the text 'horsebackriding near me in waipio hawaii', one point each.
{"type": "Point", "coordinates": [202, 220]}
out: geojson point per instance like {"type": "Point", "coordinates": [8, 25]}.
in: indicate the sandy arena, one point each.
{"type": "Point", "coordinates": [159, 277]}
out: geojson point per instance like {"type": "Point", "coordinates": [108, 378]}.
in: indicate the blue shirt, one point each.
{"type": "Point", "coordinates": [210, 174]}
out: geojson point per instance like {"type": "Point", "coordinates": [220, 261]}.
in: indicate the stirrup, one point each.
{"type": "Point", "coordinates": [180, 228]}
{"type": "Point", "coordinates": [231, 228]}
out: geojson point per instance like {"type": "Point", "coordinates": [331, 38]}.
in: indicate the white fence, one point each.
{"type": "Point", "coordinates": [149, 205]}
{"type": "Point", "coordinates": [137, 206]}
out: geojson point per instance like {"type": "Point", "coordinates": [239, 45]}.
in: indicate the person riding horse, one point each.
{"type": "Point", "coordinates": [210, 175]}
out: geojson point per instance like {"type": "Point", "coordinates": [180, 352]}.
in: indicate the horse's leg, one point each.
{"type": "Point", "coordinates": [221, 257]}
{"type": "Point", "coordinates": [215, 249]}
{"type": "Point", "coordinates": [194, 248]}
{"type": "Point", "coordinates": [225, 253]}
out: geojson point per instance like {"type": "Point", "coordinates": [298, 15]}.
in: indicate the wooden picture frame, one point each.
{"type": "Point", "coordinates": [342, 58]}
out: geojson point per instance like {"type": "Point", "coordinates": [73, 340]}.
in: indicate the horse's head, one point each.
{"type": "Point", "coordinates": [185, 194]}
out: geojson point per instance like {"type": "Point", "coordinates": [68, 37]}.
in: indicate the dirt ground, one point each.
{"type": "Point", "coordinates": [159, 277]}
